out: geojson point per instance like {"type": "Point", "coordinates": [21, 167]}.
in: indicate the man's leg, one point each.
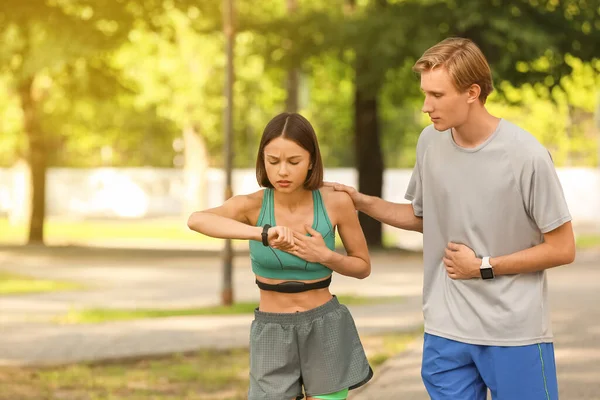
{"type": "Point", "coordinates": [519, 372]}
{"type": "Point", "coordinates": [448, 370]}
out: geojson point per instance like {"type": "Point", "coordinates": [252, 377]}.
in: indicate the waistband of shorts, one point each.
{"type": "Point", "coordinates": [299, 317]}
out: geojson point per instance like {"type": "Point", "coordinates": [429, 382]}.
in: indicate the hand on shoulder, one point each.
{"type": "Point", "coordinates": [344, 192]}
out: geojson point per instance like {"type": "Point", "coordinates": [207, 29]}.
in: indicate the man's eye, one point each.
{"type": "Point", "coordinates": [437, 95]}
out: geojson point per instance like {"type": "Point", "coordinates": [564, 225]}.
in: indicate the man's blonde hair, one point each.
{"type": "Point", "coordinates": [463, 60]}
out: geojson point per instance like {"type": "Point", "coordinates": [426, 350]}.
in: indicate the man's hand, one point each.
{"type": "Point", "coordinates": [357, 197]}
{"type": "Point", "coordinates": [461, 262]}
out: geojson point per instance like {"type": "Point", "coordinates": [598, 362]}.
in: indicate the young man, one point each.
{"type": "Point", "coordinates": [486, 196]}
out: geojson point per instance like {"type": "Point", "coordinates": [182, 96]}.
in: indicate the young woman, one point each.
{"type": "Point", "coordinates": [301, 337]}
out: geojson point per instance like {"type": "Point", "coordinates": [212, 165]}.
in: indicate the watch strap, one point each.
{"type": "Point", "coordinates": [265, 235]}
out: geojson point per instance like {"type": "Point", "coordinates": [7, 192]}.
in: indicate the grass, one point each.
{"type": "Point", "coordinates": [588, 241]}
{"type": "Point", "coordinates": [99, 315]}
{"type": "Point", "coordinates": [11, 284]}
{"type": "Point", "coordinates": [65, 230]}
{"type": "Point", "coordinates": [206, 375]}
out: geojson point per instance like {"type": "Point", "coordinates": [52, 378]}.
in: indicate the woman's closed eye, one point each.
{"type": "Point", "coordinates": [277, 162]}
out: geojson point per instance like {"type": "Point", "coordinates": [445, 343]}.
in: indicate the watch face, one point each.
{"type": "Point", "coordinates": [487, 273]}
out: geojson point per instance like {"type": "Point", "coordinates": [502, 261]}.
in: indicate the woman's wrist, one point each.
{"type": "Point", "coordinates": [329, 257]}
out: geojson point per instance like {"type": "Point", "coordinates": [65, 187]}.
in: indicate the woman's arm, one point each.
{"type": "Point", "coordinates": [357, 262]}
{"type": "Point", "coordinates": [229, 221]}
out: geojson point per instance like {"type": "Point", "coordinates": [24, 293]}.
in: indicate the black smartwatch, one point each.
{"type": "Point", "coordinates": [265, 235]}
{"type": "Point", "coordinates": [487, 272]}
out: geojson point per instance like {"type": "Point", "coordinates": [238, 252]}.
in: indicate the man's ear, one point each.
{"type": "Point", "coordinates": [473, 93]}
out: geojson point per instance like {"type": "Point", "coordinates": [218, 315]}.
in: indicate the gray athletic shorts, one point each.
{"type": "Point", "coordinates": [318, 349]}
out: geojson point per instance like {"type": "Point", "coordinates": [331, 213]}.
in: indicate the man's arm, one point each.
{"type": "Point", "coordinates": [557, 249]}
{"type": "Point", "coordinates": [395, 214]}
{"type": "Point", "coordinates": [398, 215]}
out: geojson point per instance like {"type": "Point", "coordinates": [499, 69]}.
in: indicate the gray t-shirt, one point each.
{"type": "Point", "coordinates": [497, 198]}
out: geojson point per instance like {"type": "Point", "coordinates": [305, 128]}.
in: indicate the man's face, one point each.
{"type": "Point", "coordinates": [446, 106]}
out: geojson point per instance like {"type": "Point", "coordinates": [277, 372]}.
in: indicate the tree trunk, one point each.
{"type": "Point", "coordinates": [291, 102]}
{"type": "Point", "coordinates": [367, 150]}
{"type": "Point", "coordinates": [368, 156]}
{"type": "Point", "coordinates": [36, 158]}
{"type": "Point", "coordinates": [227, 295]}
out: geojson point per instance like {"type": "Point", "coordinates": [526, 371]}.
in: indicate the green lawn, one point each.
{"type": "Point", "coordinates": [19, 284]}
{"type": "Point", "coordinates": [89, 316]}
{"type": "Point", "coordinates": [206, 375]}
{"type": "Point", "coordinates": [83, 230]}
{"type": "Point", "coordinates": [588, 241]}
{"type": "Point", "coordinates": [78, 231]}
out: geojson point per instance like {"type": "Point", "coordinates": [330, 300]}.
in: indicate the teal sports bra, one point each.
{"type": "Point", "coordinates": [276, 264]}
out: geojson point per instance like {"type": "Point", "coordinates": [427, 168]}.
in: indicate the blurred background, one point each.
{"type": "Point", "coordinates": [118, 118]}
{"type": "Point", "coordinates": [117, 109]}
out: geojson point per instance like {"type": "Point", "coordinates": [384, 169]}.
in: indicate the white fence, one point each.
{"type": "Point", "coordinates": [155, 192]}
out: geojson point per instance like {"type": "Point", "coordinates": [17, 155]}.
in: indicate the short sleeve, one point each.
{"type": "Point", "coordinates": [414, 191]}
{"type": "Point", "coordinates": [543, 194]}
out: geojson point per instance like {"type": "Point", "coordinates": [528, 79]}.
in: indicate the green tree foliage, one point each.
{"type": "Point", "coordinates": [80, 76]}
{"type": "Point", "coordinates": [53, 51]}
{"type": "Point", "coordinates": [525, 42]}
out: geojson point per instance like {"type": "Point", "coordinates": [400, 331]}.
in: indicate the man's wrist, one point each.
{"type": "Point", "coordinates": [477, 272]}
{"type": "Point", "coordinates": [494, 262]}
{"type": "Point", "coordinates": [363, 202]}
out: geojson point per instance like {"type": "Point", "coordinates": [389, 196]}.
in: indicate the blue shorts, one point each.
{"type": "Point", "coordinates": [453, 370]}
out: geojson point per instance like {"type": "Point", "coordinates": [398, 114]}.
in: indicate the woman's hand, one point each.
{"type": "Point", "coordinates": [310, 248]}
{"type": "Point", "coordinates": [281, 238]}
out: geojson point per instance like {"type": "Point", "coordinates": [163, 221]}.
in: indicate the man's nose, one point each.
{"type": "Point", "coordinates": [427, 108]}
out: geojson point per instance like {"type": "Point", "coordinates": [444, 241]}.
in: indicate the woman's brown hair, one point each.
{"type": "Point", "coordinates": [295, 127]}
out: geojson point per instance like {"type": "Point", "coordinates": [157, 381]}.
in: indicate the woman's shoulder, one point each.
{"type": "Point", "coordinates": [248, 201]}
{"type": "Point", "coordinates": [335, 200]}
{"type": "Point", "coordinates": [258, 195]}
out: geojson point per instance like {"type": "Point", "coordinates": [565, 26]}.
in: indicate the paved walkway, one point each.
{"type": "Point", "coordinates": [28, 336]}
{"type": "Point", "coordinates": [185, 279]}
{"type": "Point", "coordinates": [575, 304]}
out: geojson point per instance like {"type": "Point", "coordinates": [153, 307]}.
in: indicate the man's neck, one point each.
{"type": "Point", "coordinates": [476, 130]}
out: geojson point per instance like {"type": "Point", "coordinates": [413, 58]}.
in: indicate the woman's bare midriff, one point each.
{"type": "Point", "coordinates": [277, 302]}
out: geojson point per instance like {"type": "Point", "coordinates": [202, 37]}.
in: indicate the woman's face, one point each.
{"type": "Point", "coordinates": [287, 164]}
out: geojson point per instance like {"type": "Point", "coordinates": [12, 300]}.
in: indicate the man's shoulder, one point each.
{"type": "Point", "coordinates": [520, 143]}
